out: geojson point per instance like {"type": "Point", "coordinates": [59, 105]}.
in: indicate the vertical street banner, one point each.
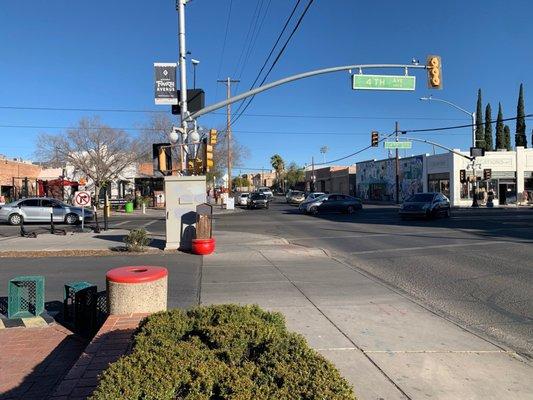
{"type": "Point", "coordinates": [165, 83]}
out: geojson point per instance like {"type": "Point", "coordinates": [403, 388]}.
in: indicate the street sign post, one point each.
{"type": "Point", "coordinates": [82, 199]}
{"type": "Point", "coordinates": [398, 145]}
{"type": "Point", "coordinates": [383, 82]}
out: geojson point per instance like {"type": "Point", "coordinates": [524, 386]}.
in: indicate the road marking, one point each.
{"type": "Point", "coordinates": [120, 223]}
{"type": "Point", "coordinates": [440, 246]}
{"type": "Point", "coordinates": [150, 223]}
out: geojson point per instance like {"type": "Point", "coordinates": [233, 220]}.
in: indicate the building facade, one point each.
{"type": "Point", "coordinates": [18, 178]}
{"type": "Point", "coordinates": [333, 179]}
{"type": "Point", "coordinates": [511, 180]}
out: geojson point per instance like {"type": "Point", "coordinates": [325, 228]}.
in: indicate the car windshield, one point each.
{"type": "Point", "coordinates": [322, 197]}
{"type": "Point", "coordinates": [421, 198]}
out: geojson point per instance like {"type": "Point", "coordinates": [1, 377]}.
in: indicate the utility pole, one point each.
{"type": "Point", "coordinates": [396, 131]}
{"type": "Point", "coordinates": [313, 174]}
{"type": "Point", "coordinates": [180, 8]}
{"type": "Point", "coordinates": [228, 81]}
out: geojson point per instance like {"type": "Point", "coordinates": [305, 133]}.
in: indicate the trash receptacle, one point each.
{"type": "Point", "coordinates": [128, 207]}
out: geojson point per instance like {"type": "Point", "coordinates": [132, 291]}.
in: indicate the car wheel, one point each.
{"type": "Point", "coordinates": [314, 210]}
{"type": "Point", "coordinates": [15, 219]}
{"type": "Point", "coordinates": [71, 219]}
{"type": "Point", "coordinates": [350, 209]}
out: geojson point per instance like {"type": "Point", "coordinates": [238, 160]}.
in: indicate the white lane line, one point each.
{"type": "Point", "coordinates": [150, 223]}
{"type": "Point", "coordinates": [377, 234]}
{"type": "Point", "coordinates": [440, 246]}
{"type": "Point", "coordinates": [120, 223]}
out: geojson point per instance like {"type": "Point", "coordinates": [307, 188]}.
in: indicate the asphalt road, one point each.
{"type": "Point", "coordinates": [475, 268]}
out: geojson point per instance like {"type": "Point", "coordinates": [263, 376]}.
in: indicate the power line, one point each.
{"type": "Point", "coordinates": [248, 38]}
{"type": "Point", "coordinates": [280, 53]}
{"type": "Point", "coordinates": [225, 38]}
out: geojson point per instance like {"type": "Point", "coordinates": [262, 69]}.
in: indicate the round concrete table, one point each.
{"type": "Point", "coordinates": [136, 289]}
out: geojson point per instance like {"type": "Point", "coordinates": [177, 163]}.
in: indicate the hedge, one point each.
{"type": "Point", "coordinates": [220, 352]}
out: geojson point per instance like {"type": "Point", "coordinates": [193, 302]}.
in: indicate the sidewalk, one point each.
{"type": "Point", "coordinates": [386, 345]}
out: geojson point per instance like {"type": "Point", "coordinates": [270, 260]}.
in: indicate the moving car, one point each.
{"type": "Point", "coordinates": [425, 205]}
{"type": "Point", "coordinates": [334, 203]}
{"type": "Point", "coordinates": [266, 191]}
{"type": "Point", "coordinates": [296, 197]}
{"type": "Point", "coordinates": [257, 200]}
{"type": "Point", "coordinates": [37, 209]}
{"type": "Point", "coordinates": [242, 199]}
{"type": "Point", "coordinates": [310, 197]}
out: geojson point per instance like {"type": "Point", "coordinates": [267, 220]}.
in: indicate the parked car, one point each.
{"type": "Point", "coordinates": [334, 203]}
{"type": "Point", "coordinates": [296, 197]}
{"type": "Point", "coordinates": [425, 205]}
{"type": "Point", "coordinates": [242, 199]}
{"type": "Point", "coordinates": [266, 191]}
{"type": "Point", "coordinates": [37, 209]}
{"type": "Point", "coordinates": [257, 200]}
{"type": "Point", "coordinates": [310, 198]}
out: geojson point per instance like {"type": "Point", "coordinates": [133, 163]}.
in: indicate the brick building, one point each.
{"type": "Point", "coordinates": [18, 178]}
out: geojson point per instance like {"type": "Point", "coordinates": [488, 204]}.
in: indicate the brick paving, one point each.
{"type": "Point", "coordinates": [112, 340]}
{"type": "Point", "coordinates": [34, 360]}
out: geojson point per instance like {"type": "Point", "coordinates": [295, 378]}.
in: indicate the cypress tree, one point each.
{"type": "Point", "coordinates": [500, 138]}
{"type": "Point", "coordinates": [507, 137]}
{"type": "Point", "coordinates": [488, 128]}
{"type": "Point", "coordinates": [480, 134]}
{"type": "Point", "coordinates": [520, 135]}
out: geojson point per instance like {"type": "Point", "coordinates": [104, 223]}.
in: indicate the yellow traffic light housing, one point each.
{"type": "Point", "coordinates": [375, 139]}
{"type": "Point", "coordinates": [213, 136]}
{"type": "Point", "coordinates": [209, 162]}
{"type": "Point", "coordinates": [434, 67]}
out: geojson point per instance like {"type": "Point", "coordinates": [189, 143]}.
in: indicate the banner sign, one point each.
{"type": "Point", "coordinates": [165, 83]}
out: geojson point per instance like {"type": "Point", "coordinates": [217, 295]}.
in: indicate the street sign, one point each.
{"type": "Point", "coordinates": [165, 83]}
{"type": "Point", "coordinates": [383, 82]}
{"type": "Point", "coordinates": [398, 145]}
{"type": "Point", "coordinates": [82, 199]}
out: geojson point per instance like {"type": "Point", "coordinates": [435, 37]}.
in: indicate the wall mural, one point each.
{"type": "Point", "coordinates": [376, 180]}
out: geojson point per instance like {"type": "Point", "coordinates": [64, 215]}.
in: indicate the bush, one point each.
{"type": "Point", "coordinates": [220, 352]}
{"type": "Point", "coordinates": [136, 240]}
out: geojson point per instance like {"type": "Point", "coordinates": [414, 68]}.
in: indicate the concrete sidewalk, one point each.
{"type": "Point", "coordinates": [386, 345]}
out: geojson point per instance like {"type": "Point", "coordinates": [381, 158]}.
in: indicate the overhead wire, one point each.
{"type": "Point", "coordinates": [224, 42]}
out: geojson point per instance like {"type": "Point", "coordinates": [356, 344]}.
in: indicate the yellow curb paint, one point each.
{"type": "Point", "coordinates": [34, 322]}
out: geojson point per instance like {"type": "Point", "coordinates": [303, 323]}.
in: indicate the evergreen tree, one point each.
{"type": "Point", "coordinates": [507, 137]}
{"type": "Point", "coordinates": [480, 134]}
{"type": "Point", "coordinates": [520, 135]}
{"type": "Point", "coordinates": [500, 138]}
{"type": "Point", "coordinates": [488, 128]}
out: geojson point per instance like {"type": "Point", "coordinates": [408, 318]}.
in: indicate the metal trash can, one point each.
{"type": "Point", "coordinates": [25, 297]}
{"type": "Point", "coordinates": [79, 306]}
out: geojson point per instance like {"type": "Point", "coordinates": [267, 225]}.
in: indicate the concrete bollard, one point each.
{"type": "Point", "coordinates": [136, 289]}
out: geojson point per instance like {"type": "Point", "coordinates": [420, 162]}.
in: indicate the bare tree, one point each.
{"type": "Point", "coordinates": [93, 149]}
{"type": "Point", "coordinates": [155, 130]}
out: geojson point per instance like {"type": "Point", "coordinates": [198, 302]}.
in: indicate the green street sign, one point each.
{"type": "Point", "coordinates": [383, 82]}
{"type": "Point", "coordinates": [398, 145]}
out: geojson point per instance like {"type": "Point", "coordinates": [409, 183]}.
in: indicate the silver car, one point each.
{"type": "Point", "coordinates": [38, 209]}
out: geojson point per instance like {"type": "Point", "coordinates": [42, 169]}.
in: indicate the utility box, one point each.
{"type": "Point", "coordinates": [25, 297]}
{"type": "Point", "coordinates": [182, 194]}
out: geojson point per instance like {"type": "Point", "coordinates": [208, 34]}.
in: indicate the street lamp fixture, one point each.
{"type": "Point", "coordinates": [194, 64]}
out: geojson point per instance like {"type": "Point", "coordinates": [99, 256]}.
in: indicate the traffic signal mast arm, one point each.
{"type": "Point", "coordinates": [442, 147]}
{"type": "Point", "coordinates": [292, 78]}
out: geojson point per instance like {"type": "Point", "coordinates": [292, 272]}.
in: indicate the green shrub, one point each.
{"type": "Point", "coordinates": [136, 240]}
{"type": "Point", "coordinates": [220, 352]}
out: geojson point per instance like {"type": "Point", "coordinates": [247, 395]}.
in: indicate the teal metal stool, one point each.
{"type": "Point", "coordinates": [25, 297]}
{"type": "Point", "coordinates": [80, 306]}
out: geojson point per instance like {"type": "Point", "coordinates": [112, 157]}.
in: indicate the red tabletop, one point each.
{"type": "Point", "coordinates": [136, 274]}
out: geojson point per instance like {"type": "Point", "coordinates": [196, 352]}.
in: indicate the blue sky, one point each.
{"type": "Point", "coordinates": [100, 54]}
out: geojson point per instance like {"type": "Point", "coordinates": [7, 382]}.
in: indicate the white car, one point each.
{"type": "Point", "coordinates": [266, 191]}
{"type": "Point", "coordinates": [242, 199]}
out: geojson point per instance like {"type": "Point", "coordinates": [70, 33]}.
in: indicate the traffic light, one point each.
{"type": "Point", "coordinates": [434, 67]}
{"type": "Point", "coordinates": [213, 137]}
{"type": "Point", "coordinates": [487, 174]}
{"type": "Point", "coordinates": [375, 139]}
{"type": "Point", "coordinates": [209, 162]}
{"type": "Point", "coordinates": [462, 176]}
{"type": "Point", "coordinates": [162, 158]}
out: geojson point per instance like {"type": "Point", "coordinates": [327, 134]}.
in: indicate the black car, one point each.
{"type": "Point", "coordinates": [425, 205]}
{"type": "Point", "coordinates": [257, 200]}
{"type": "Point", "coordinates": [333, 203]}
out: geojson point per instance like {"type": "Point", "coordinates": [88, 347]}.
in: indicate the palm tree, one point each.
{"type": "Point", "coordinates": [279, 166]}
